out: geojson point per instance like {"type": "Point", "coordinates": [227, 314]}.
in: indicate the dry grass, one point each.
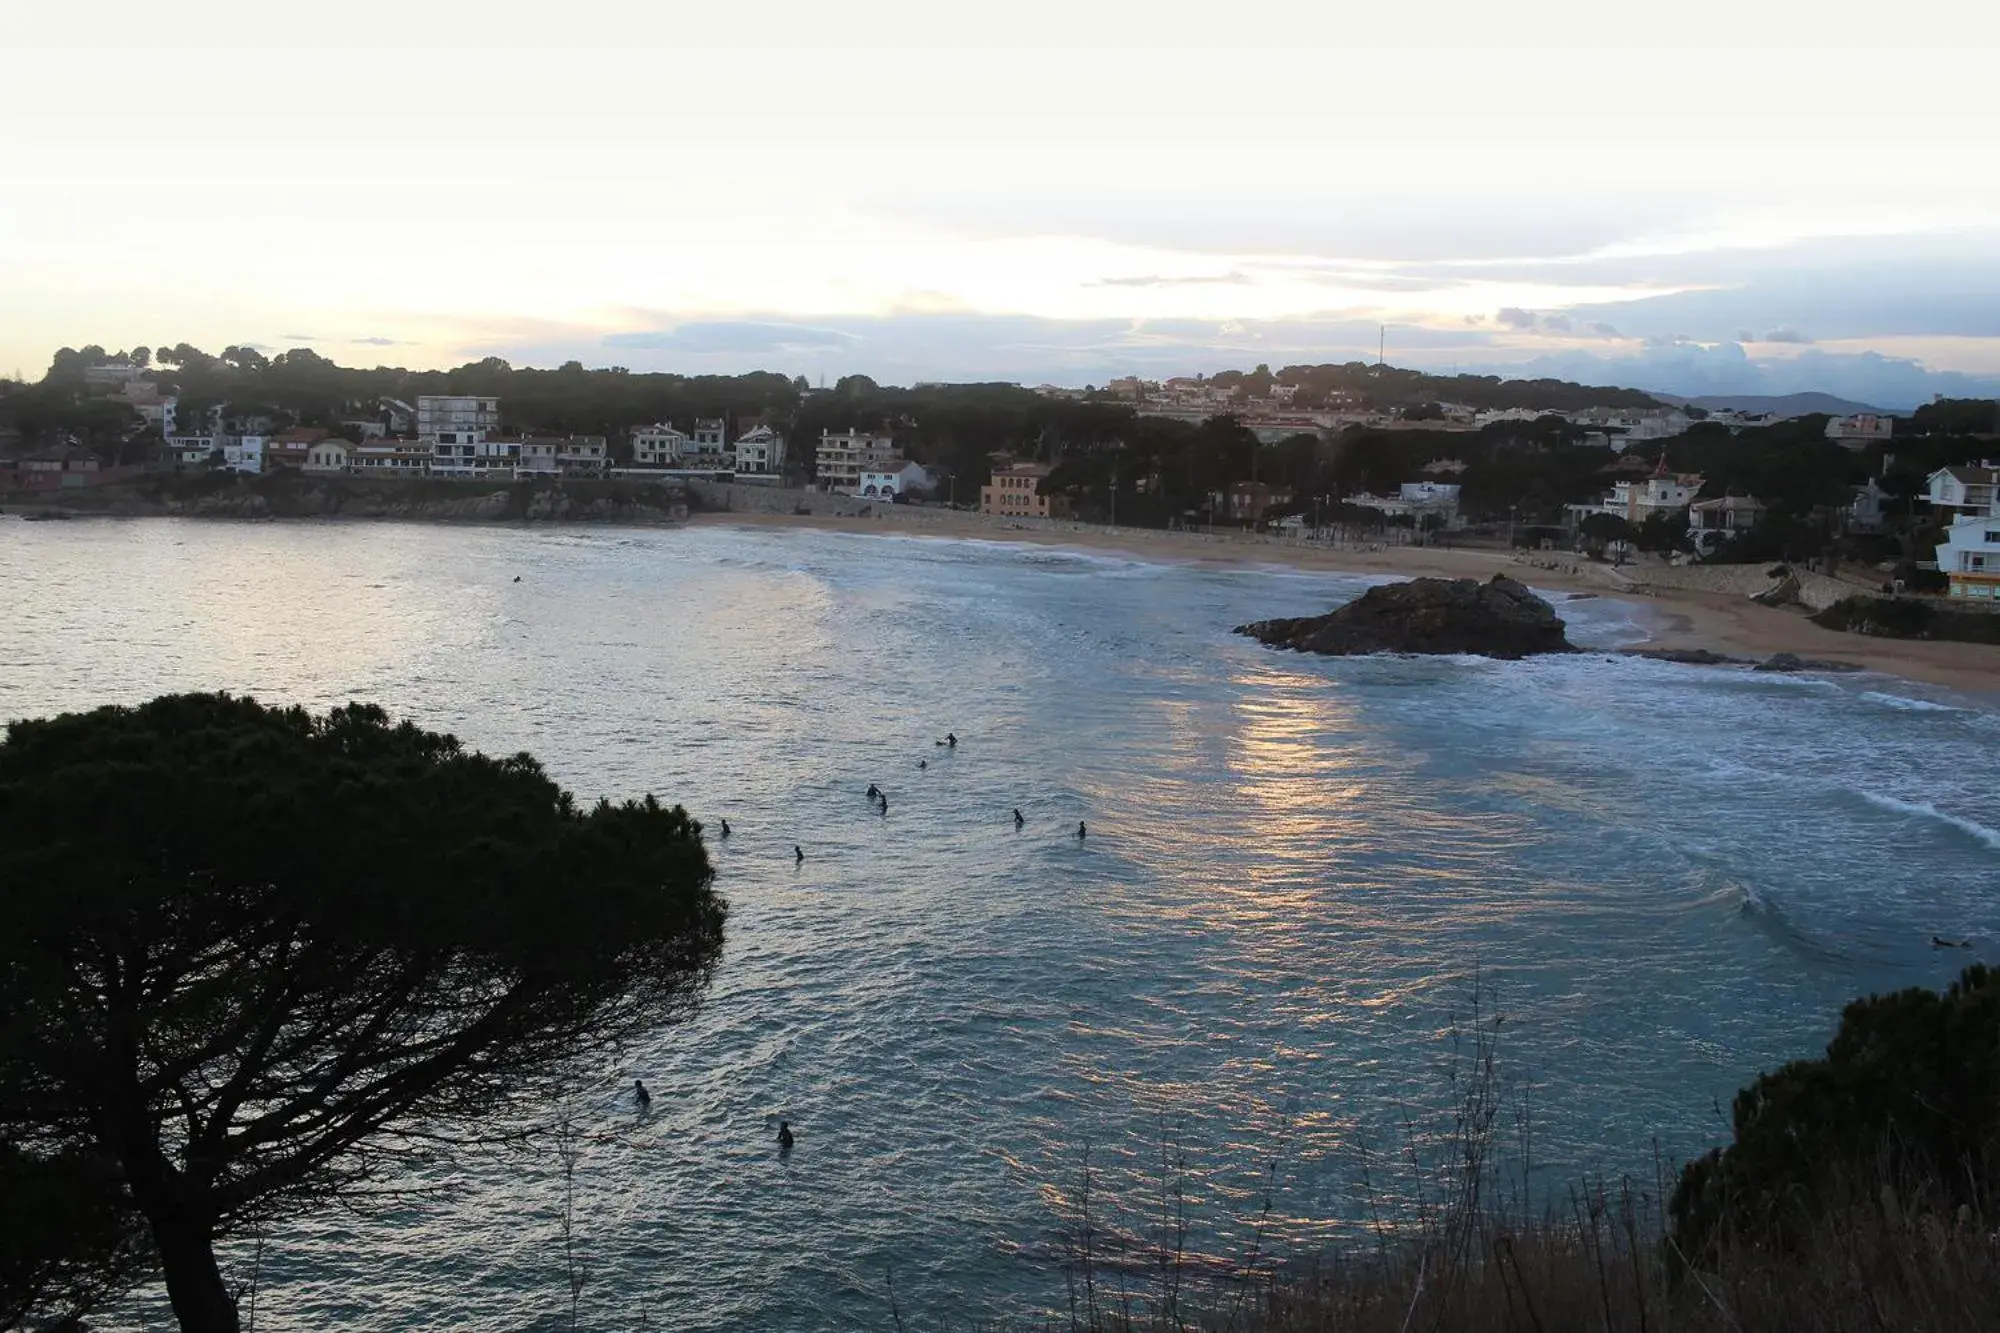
{"type": "Point", "coordinates": [1466, 1254]}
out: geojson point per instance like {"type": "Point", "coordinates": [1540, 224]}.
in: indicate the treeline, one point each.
{"type": "Point", "coordinates": [1390, 388]}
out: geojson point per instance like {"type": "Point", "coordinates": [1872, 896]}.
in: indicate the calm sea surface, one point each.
{"type": "Point", "coordinates": [1667, 877]}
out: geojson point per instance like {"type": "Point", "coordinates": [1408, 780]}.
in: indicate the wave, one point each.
{"type": "Point", "coordinates": [1924, 810]}
{"type": "Point", "coordinates": [1902, 702]}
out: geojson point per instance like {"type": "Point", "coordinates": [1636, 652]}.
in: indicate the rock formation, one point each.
{"type": "Point", "coordinates": [1499, 618]}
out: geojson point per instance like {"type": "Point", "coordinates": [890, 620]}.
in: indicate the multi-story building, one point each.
{"type": "Point", "coordinates": [841, 459]}
{"type": "Point", "coordinates": [1014, 491]}
{"type": "Point", "coordinates": [1249, 501]}
{"type": "Point", "coordinates": [549, 456]}
{"type": "Point", "coordinates": [658, 445]}
{"type": "Point", "coordinates": [1969, 556]}
{"type": "Point", "coordinates": [243, 453]}
{"type": "Point", "coordinates": [759, 451]}
{"type": "Point", "coordinates": [583, 455]}
{"type": "Point", "coordinates": [193, 450]}
{"type": "Point", "coordinates": [390, 458]}
{"type": "Point", "coordinates": [482, 458]}
{"type": "Point", "coordinates": [1636, 501]}
{"type": "Point", "coordinates": [1964, 492]}
{"type": "Point", "coordinates": [1713, 522]}
{"type": "Point", "coordinates": [708, 443]}
{"type": "Point", "coordinates": [456, 420]}
{"type": "Point", "coordinates": [1860, 430]}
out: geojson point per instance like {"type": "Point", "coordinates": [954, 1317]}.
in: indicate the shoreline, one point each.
{"type": "Point", "coordinates": [1684, 618]}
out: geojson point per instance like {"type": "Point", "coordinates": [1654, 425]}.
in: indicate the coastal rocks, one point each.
{"type": "Point", "coordinates": [1687, 656]}
{"type": "Point", "coordinates": [1499, 618]}
{"type": "Point", "coordinates": [1781, 662]}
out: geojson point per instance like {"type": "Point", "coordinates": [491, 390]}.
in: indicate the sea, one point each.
{"type": "Point", "coordinates": [1232, 1021]}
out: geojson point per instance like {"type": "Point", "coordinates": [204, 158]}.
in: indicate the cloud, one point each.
{"type": "Point", "coordinates": [378, 341]}
{"type": "Point", "coordinates": [1556, 323]}
{"type": "Point", "coordinates": [1786, 335]}
{"type": "Point", "coordinates": [298, 337]}
{"type": "Point", "coordinates": [1601, 329]}
{"type": "Point", "coordinates": [1231, 279]}
{"type": "Point", "coordinates": [728, 335]}
{"type": "Point", "coordinates": [1513, 317]}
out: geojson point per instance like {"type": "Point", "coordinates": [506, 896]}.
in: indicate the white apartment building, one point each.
{"type": "Point", "coordinates": [1969, 557]}
{"type": "Point", "coordinates": [707, 442]}
{"type": "Point", "coordinates": [243, 453]}
{"type": "Point", "coordinates": [456, 420]}
{"type": "Point", "coordinates": [760, 451]}
{"type": "Point", "coordinates": [658, 445]}
{"type": "Point", "coordinates": [481, 458]}
{"type": "Point", "coordinates": [842, 459]}
{"type": "Point", "coordinates": [549, 456]}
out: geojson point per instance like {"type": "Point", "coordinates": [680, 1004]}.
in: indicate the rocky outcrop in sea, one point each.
{"type": "Point", "coordinates": [1498, 618]}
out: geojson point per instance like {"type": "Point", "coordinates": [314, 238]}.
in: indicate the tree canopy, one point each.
{"type": "Point", "coordinates": [252, 958]}
{"type": "Point", "coordinates": [1909, 1089]}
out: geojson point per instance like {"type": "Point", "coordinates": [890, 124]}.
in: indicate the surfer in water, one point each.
{"type": "Point", "coordinates": [1938, 942]}
{"type": "Point", "coordinates": [1018, 821]}
{"type": "Point", "coordinates": [798, 854]}
{"type": "Point", "coordinates": [1081, 831]}
{"type": "Point", "coordinates": [725, 828]}
{"type": "Point", "coordinates": [951, 739]}
{"type": "Point", "coordinates": [923, 763]}
{"type": "Point", "coordinates": [641, 1096]}
{"type": "Point", "coordinates": [874, 792]}
{"type": "Point", "coordinates": [784, 1136]}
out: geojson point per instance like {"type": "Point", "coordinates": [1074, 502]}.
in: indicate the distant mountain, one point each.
{"type": "Point", "coordinates": [1783, 405]}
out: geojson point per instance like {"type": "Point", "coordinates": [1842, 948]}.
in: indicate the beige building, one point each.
{"type": "Point", "coordinates": [327, 457]}
{"type": "Point", "coordinates": [1014, 492]}
{"type": "Point", "coordinates": [843, 458]}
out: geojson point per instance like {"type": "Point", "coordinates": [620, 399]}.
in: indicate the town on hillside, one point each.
{"type": "Point", "coordinates": [1302, 452]}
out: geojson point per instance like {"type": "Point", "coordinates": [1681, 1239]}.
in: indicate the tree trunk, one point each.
{"type": "Point", "coordinates": [201, 1302]}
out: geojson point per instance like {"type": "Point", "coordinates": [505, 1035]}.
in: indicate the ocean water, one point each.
{"type": "Point", "coordinates": [1666, 878]}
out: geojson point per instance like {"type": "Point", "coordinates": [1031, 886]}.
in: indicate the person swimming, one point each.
{"type": "Point", "coordinates": [725, 828]}
{"type": "Point", "coordinates": [1939, 943]}
{"type": "Point", "coordinates": [641, 1096]}
{"type": "Point", "coordinates": [951, 739]}
{"type": "Point", "coordinates": [1018, 821]}
{"type": "Point", "coordinates": [885, 805]}
{"type": "Point", "coordinates": [1080, 830]}
{"type": "Point", "coordinates": [923, 763]}
{"type": "Point", "coordinates": [874, 792]}
{"type": "Point", "coordinates": [785, 1139]}
{"type": "Point", "coordinates": [798, 853]}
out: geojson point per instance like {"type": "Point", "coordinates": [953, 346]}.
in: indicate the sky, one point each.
{"type": "Point", "coordinates": [1695, 197]}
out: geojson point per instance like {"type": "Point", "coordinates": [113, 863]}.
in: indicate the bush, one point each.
{"type": "Point", "coordinates": [1909, 1085]}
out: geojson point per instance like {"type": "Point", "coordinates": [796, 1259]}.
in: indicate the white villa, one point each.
{"type": "Point", "coordinates": [327, 457]}
{"type": "Point", "coordinates": [1969, 556]}
{"type": "Point", "coordinates": [658, 445]}
{"type": "Point", "coordinates": [1636, 501]}
{"type": "Point", "coordinates": [888, 484]}
{"type": "Point", "coordinates": [1713, 522]}
{"type": "Point", "coordinates": [760, 450]}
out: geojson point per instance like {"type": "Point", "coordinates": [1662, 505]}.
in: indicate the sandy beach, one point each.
{"type": "Point", "coordinates": [1724, 623]}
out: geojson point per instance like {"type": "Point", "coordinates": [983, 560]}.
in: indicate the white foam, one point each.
{"type": "Point", "coordinates": [1908, 704]}
{"type": "Point", "coordinates": [1924, 810]}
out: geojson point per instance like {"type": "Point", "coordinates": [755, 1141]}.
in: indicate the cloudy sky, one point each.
{"type": "Point", "coordinates": [1695, 197]}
